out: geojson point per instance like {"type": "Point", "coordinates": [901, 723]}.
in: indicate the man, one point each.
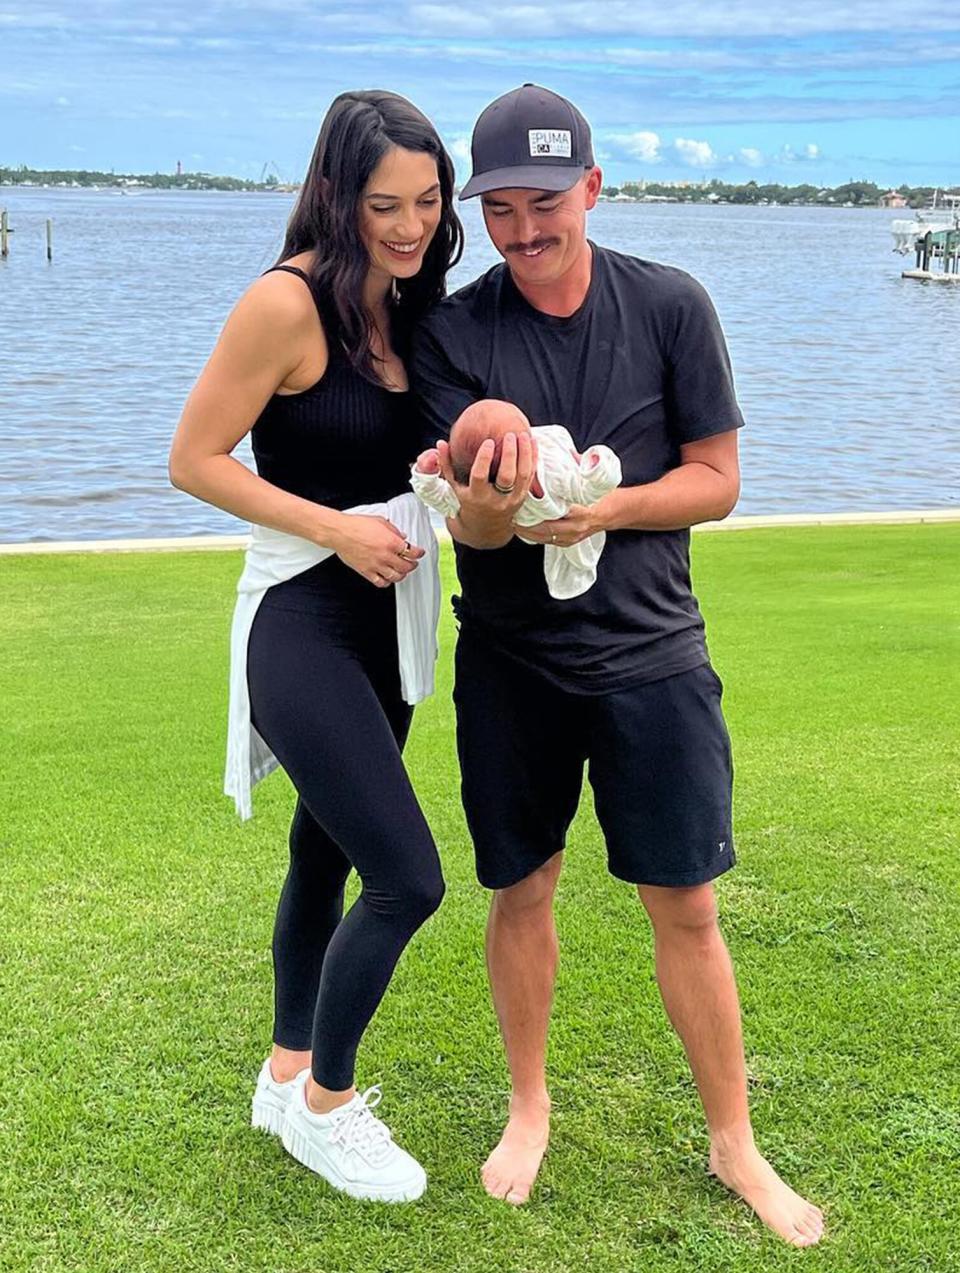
{"type": "Point", "coordinates": [628, 353]}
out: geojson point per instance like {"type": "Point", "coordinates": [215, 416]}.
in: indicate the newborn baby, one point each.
{"type": "Point", "coordinates": [562, 478]}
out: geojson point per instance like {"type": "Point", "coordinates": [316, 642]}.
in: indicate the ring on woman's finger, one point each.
{"type": "Point", "coordinates": [553, 538]}
{"type": "Point", "coordinates": [503, 490]}
{"type": "Point", "coordinates": [404, 552]}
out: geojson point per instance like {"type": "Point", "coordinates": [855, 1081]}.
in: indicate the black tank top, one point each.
{"type": "Point", "coordinates": [344, 441]}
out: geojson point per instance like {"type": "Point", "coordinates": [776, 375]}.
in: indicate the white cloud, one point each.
{"type": "Point", "coordinates": [808, 154]}
{"type": "Point", "coordinates": [460, 147]}
{"type": "Point", "coordinates": [439, 17]}
{"type": "Point", "coordinates": [752, 157]}
{"type": "Point", "coordinates": [641, 145]}
{"type": "Point", "coordinates": [63, 101]}
{"type": "Point", "coordinates": [645, 145]}
{"type": "Point", "coordinates": [698, 154]}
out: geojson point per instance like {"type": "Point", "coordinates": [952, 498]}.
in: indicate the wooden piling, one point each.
{"type": "Point", "coordinates": [49, 239]}
{"type": "Point", "coordinates": [4, 233]}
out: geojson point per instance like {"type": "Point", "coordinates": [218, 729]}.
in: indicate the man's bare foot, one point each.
{"type": "Point", "coordinates": [747, 1173]}
{"type": "Point", "coordinates": [512, 1168]}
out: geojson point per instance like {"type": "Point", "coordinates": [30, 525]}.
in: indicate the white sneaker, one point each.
{"type": "Point", "coordinates": [270, 1100]}
{"type": "Point", "coordinates": [351, 1148]}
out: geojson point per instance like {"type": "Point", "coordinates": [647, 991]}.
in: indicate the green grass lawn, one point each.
{"type": "Point", "coordinates": [136, 911]}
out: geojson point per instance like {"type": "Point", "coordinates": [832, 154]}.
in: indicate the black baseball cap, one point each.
{"type": "Point", "coordinates": [530, 138]}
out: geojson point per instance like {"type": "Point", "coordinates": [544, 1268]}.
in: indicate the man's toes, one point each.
{"type": "Point", "coordinates": [808, 1230]}
{"type": "Point", "coordinates": [517, 1195]}
{"type": "Point", "coordinates": [495, 1185]}
{"type": "Point", "coordinates": [812, 1223]}
{"type": "Point", "coordinates": [811, 1218]}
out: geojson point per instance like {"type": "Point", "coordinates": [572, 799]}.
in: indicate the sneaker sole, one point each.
{"type": "Point", "coordinates": [267, 1117]}
{"type": "Point", "coordinates": [298, 1146]}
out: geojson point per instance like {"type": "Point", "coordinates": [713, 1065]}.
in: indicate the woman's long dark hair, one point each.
{"type": "Point", "coordinates": [357, 132]}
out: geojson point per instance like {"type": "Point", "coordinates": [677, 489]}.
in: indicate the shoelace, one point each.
{"type": "Point", "coordinates": [360, 1129]}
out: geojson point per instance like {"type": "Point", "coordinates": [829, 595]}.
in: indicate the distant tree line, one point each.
{"type": "Point", "coordinates": [858, 193]}
{"type": "Point", "coordinates": [22, 176]}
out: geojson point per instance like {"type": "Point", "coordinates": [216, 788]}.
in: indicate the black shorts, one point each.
{"type": "Point", "coordinates": [658, 757]}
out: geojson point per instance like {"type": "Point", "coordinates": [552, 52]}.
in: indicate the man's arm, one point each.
{"type": "Point", "coordinates": [704, 418]}
{"type": "Point", "coordinates": [703, 487]}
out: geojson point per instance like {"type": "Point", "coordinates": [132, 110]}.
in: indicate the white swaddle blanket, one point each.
{"type": "Point", "coordinates": [565, 480]}
{"type": "Point", "coordinates": [273, 557]}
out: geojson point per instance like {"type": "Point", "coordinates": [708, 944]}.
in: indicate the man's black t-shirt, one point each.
{"type": "Point", "coordinates": [642, 367]}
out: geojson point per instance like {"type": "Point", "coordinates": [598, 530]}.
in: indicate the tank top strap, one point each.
{"type": "Point", "coordinates": [291, 269]}
{"type": "Point", "coordinates": [335, 350]}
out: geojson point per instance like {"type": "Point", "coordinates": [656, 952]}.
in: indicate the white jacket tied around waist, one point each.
{"type": "Point", "coordinates": [274, 557]}
{"type": "Point", "coordinates": [565, 480]}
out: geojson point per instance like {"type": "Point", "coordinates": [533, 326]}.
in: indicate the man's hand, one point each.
{"type": "Point", "coordinates": [487, 509]}
{"type": "Point", "coordinates": [579, 524]}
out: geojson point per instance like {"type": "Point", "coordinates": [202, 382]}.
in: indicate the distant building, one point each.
{"type": "Point", "coordinates": [892, 199]}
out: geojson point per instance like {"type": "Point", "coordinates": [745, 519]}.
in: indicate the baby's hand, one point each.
{"type": "Point", "coordinates": [428, 461]}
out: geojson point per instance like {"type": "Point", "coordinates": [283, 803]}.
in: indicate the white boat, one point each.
{"type": "Point", "coordinates": [943, 214]}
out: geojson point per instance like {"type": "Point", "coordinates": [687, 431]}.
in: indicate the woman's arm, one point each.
{"type": "Point", "coordinates": [260, 347]}
{"type": "Point", "coordinates": [264, 342]}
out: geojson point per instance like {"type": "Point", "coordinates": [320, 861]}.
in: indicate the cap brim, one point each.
{"type": "Point", "coordinates": [524, 177]}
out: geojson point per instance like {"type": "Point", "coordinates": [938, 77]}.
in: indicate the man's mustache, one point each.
{"type": "Point", "coordinates": [528, 247]}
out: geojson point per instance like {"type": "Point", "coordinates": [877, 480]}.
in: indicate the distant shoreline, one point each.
{"type": "Point", "coordinates": [852, 194]}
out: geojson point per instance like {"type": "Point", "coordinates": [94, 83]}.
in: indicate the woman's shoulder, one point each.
{"type": "Point", "coordinates": [281, 301]}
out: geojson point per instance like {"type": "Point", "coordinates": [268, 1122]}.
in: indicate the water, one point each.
{"type": "Point", "coordinates": [848, 375]}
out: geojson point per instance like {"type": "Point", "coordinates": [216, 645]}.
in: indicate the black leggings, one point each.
{"type": "Point", "coordinates": [325, 696]}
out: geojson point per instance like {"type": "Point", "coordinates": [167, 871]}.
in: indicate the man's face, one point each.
{"type": "Point", "coordinates": [541, 233]}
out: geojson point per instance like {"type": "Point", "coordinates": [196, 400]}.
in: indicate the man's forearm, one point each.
{"type": "Point", "coordinates": [481, 536]}
{"type": "Point", "coordinates": [683, 497]}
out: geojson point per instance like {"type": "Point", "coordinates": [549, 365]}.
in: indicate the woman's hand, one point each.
{"type": "Point", "coordinates": [374, 548]}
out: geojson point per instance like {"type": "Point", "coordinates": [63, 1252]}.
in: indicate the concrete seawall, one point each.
{"type": "Point", "coordinates": [223, 543]}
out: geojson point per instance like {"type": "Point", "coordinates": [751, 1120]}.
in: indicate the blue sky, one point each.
{"type": "Point", "coordinates": [814, 91]}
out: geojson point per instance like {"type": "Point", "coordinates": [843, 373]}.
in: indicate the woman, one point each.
{"type": "Point", "coordinates": [311, 361]}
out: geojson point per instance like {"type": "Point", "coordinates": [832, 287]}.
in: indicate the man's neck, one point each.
{"type": "Point", "coordinates": [563, 296]}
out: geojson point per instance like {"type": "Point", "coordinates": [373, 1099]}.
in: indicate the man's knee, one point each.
{"type": "Point", "coordinates": [686, 913]}
{"type": "Point", "coordinates": [532, 894]}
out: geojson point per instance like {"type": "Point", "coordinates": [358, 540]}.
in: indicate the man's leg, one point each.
{"type": "Point", "coordinates": [519, 741]}
{"type": "Point", "coordinates": [522, 963]}
{"type": "Point", "coordinates": [700, 995]}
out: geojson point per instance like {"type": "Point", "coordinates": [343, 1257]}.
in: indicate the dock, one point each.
{"type": "Point", "coordinates": [934, 238]}
{"type": "Point", "coordinates": [937, 245]}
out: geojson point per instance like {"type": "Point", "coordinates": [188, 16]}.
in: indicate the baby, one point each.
{"type": "Point", "coordinates": [562, 478]}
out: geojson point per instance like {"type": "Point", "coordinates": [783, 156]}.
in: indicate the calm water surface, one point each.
{"type": "Point", "coordinates": [848, 375]}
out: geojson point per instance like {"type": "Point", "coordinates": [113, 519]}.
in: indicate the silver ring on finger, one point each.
{"type": "Point", "coordinates": [503, 490]}
{"type": "Point", "coordinates": [553, 538]}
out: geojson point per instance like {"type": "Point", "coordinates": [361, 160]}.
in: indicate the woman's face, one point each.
{"type": "Point", "coordinates": [400, 211]}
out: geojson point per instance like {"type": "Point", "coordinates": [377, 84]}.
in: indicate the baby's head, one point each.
{"type": "Point", "coordinates": [488, 418]}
